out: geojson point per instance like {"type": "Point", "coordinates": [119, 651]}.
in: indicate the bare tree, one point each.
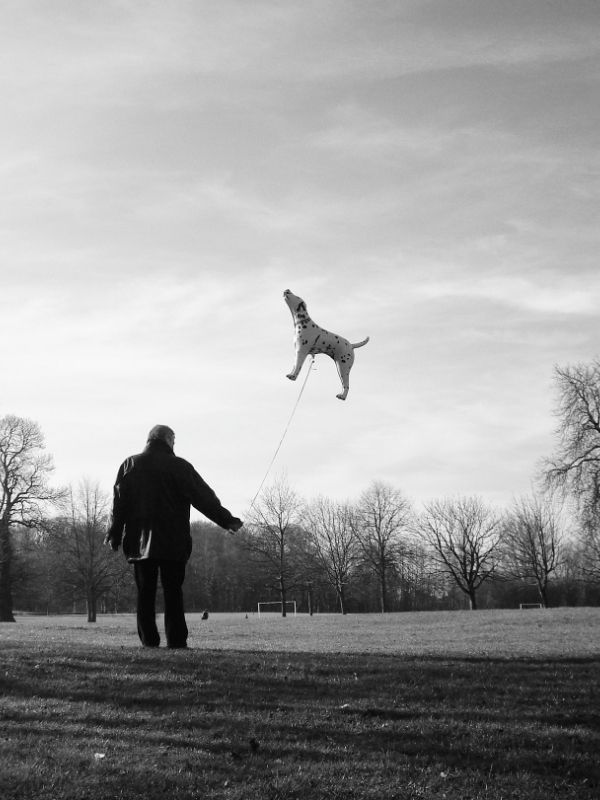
{"type": "Point", "coordinates": [270, 535]}
{"type": "Point", "coordinates": [463, 535]}
{"type": "Point", "coordinates": [85, 565]}
{"type": "Point", "coordinates": [531, 541]}
{"type": "Point", "coordinates": [333, 537]}
{"type": "Point", "coordinates": [575, 465]}
{"type": "Point", "coordinates": [24, 492]}
{"type": "Point", "coordinates": [382, 515]}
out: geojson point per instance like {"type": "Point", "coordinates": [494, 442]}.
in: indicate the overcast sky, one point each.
{"type": "Point", "coordinates": [424, 173]}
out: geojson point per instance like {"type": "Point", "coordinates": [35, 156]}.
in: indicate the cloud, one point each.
{"type": "Point", "coordinates": [565, 296]}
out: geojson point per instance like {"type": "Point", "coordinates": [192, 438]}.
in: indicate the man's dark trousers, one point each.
{"type": "Point", "coordinates": [172, 574]}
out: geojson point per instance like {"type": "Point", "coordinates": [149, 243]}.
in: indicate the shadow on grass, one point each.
{"type": "Point", "coordinates": [287, 725]}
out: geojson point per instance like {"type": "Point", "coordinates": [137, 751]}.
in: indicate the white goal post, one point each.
{"type": "Point", "coordinates": [289, 605]}
{"type": "Point", "coordinates": [530, 605]}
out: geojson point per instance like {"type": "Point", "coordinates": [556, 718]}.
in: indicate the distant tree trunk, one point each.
{"type": "Point", "coordinates": [6, 609]}
{"type": "Point", "coordinates": [342, 599]}
{"type": "Point", "coordinates": [91, 607]}
{"type": "Point", "coordinates": [310, 599]}
{"type": "Point", "coordinates": [283, 595]}
{"type": "Point", "coordinates": [383, 592]}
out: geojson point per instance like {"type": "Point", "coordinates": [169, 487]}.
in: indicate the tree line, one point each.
{"type": "Point", "coordinates": [377, 553]}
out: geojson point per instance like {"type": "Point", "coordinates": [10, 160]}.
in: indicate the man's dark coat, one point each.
{"type": "Point", "coordinates": [151, 506]}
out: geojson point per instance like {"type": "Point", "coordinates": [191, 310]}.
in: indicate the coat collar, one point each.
{"type": "Point", "coordinates": [157, 445]}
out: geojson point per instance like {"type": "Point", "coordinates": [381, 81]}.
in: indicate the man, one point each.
{"type": "Point", "coordinates": [151, 518]}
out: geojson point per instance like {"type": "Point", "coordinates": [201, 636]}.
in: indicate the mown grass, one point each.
{"type": "Point", "coordinates": [86, 713]}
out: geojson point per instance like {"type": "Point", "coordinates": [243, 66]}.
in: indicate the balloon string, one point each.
{"type": "Point", "coordinates": [283, 435]}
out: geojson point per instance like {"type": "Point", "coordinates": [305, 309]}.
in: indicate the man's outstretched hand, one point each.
{"type": "Point", "coordinates": [235, 525]}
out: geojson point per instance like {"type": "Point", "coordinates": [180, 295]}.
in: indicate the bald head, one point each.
{"type": "Point", "coordinates": [162, 433]}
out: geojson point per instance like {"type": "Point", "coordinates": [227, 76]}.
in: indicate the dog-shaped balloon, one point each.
{"type": "Point", "coordinates": [311, 339]}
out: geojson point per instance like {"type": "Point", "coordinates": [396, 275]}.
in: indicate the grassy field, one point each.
{"type": "Point", "coordinates": [490, 704]}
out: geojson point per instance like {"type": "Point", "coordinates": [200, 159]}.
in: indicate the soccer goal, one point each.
{"type": "Point", "coordinates": [274, 606]}
{"type": "Point", "coordinates": [530, 605]}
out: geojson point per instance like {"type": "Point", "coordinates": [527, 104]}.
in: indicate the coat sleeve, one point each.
{"type": "Point", "coordinates": [116, 525]}
{"type": "Point", "coordinates": [203, 498]}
